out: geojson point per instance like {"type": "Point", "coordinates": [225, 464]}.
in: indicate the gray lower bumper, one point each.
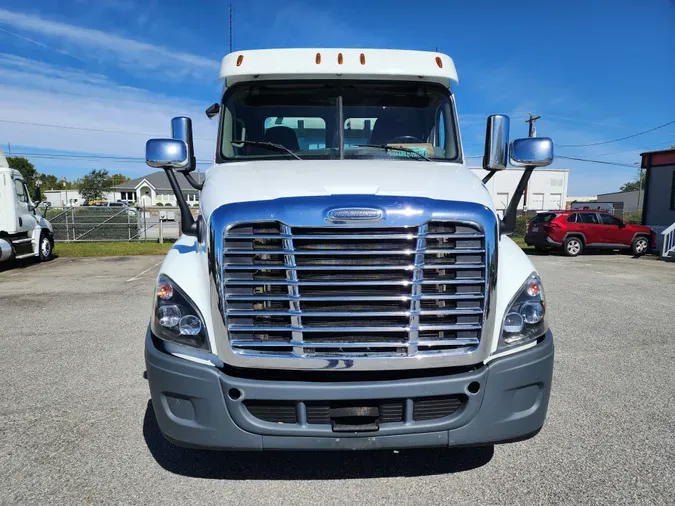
{"type": "Point", "coordinates": [193, 408]}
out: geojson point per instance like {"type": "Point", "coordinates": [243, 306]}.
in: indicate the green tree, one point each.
{"type": "Point", "coordinates": [26, 168]}
{"type": "Point", "coordinates": [636, 184]}
{"type": "Point", "coordinates": [94, 185]}
{"type": "Point", "coordinates": [63, 183]}
{"type": "Point", "coordinates": [49, 181]}
{"type": "Point", "coordinates": [119, 179]}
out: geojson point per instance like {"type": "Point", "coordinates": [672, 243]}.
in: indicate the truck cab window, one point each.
{"type": "Point", "coordinates": [306, 133]}
{"type": "Point", "coordinates": [357, 131]}
{"type": "Point", "coordinates": [21, 191]}
{"type": "Point", "coordinates": [304, 117]}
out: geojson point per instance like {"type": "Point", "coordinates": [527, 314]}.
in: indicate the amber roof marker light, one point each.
{"type": "Point", "coordinates": [439, 62]}
{"type": "Point", "coordinates": [317, 59]}
{"type": "Point", "coordinates": [340, 59]}
{"type": "Point", "coordinates": [362, 59]}
{"type": "Point", "coordinates": [240, 60]}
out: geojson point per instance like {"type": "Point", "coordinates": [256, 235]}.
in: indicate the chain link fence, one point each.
{"type": "Point", "coordinates": [100, 223]}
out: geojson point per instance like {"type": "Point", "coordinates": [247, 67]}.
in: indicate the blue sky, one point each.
{"type": "Point", "coordinates": [115, 71]}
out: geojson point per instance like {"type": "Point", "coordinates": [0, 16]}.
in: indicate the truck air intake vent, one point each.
{"type": "Point", "coordinates": [355, 415]}
{"type": "Point", "coordinates": [354, 291]}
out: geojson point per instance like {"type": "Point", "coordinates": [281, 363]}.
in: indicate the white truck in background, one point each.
{"type": "Point", "coordinates": [24, 233]}
{"type": "Point", "coordinates": [348, 283]}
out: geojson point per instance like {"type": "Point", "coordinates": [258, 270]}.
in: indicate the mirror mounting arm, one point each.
{"type": "Point", "coordinates": [489, 175]}
{"type": "Point", "coordinates": [189, 226]}
{"type": "Point", "coordinates": [193, 182]}
{"type": "Point", "coordinates": [508, 223]}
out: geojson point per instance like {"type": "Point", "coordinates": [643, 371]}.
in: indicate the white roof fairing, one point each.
{"type": "Point", "coordinates": [385, 64]}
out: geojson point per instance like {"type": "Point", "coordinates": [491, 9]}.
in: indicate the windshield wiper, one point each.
{"type": "Point", "coordinates": [268, 145]}
{"type": "Point", "coordinates": [386, 147]}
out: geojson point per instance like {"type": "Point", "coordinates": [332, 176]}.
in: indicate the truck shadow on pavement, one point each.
{"type": "Point", "coordinates": [287, 465]}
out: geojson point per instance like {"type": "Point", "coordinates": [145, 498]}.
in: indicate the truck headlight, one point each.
{"type": "Point", "coordinates": [525, 318]}
{"type": "Point", "coordinates": [175, 317]}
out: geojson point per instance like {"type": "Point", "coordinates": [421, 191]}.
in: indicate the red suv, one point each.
{"type": "Point", "coordinates": [575, 230]}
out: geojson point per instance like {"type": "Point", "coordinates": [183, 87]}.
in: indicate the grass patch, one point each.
{"type": "Point", "coordinates": [93, 223]}
{"type": "Point", "coordinates": [104, 249]}
{"type": "Point", "coordinates": [520, 241]}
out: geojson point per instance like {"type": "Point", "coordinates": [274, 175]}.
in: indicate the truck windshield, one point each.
{"type": "Point", "coordinates": [334, 120]}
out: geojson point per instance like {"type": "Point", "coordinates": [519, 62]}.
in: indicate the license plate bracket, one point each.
{"type": "Point", "coordinates": [355, 418]}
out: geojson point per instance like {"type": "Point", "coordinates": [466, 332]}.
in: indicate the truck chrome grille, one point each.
{"type": "Point", "coordinates": [354, 292]}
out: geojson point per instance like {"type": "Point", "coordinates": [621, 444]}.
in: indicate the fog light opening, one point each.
{"type": "Point", "coordinates": [473, 387]}
{"type": "Point", "coordinates": [234, 393]}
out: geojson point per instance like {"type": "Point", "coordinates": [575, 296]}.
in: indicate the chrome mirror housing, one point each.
{"type": "Point", "coordinates": [496, 155]}
{"type": "Point", "coordinates": [166, 154]}
{"type": "Point", "coordinates": [532, 152]}
{"type": "Point", "coordinates": [181, 129]}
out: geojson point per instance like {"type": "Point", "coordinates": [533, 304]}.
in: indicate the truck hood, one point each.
{"type": "Point", "coordinates": [267, 180]}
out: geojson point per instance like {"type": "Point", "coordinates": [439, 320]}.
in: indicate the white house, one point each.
{"type": "Point", "coordinates": [154, 189]}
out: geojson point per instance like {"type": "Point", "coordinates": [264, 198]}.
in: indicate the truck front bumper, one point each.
{"type": "Point", "coordinates": [199, 406]}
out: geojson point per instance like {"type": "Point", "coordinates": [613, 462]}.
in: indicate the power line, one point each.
{"type": "Point", "coordinates": [597, 161]}
{"type": "Point", "coordinates": [577, 159]}
{"type": "Point", "coordinates": [92, 158]}
{"type": "Point", "coordinates": [659, 145]}
{"type": "Point", "coordinates": [576, 120]}
{"type": "Point", "coordinates": [145, 134]}
{"type": "Point", "coordinates": [43, 45]}
{"type": "Point", "coordinates": [616, 140]}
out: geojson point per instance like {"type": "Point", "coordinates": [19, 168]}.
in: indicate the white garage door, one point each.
{"type": "Point", "coordinates": [555, 201]}
{"type": "Point", "coordinates": [537, 201]}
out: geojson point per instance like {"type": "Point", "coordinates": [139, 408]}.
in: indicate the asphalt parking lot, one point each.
{"type": "Point", "coordinates": [76, 426]}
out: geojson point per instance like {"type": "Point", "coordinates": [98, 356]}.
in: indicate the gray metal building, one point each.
{"type": "Point", "coordinates": [624, 202]}
{"type": "Point", "coordinates": [658, 209]}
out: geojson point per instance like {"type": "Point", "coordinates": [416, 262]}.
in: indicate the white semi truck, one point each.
{"type": "Point", "coordinates": [24, 233]}
{"type": "Point", "coordinates": [348, 283]}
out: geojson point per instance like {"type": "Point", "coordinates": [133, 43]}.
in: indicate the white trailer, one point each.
{"type": "Point", "coordinates": [24, 232]}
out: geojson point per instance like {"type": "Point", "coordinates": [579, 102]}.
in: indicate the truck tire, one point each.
{"type": "Point", "coordinates": [640, 245]}
{"type": "Point", "coordinates": [573, 246]}
{"type": "Point", "coordinates": [45, 247]}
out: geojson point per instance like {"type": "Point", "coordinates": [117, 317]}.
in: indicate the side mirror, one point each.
{"type": "Point", "coordinates": [532, 152]}
{"type": "Point", "coordinates": [496, 155]}
{"type": "Point", "coordinates": [213, 110]}
{"type": "Point", "coordinates": [622, 224]}
{"type": "Point", "coordinates": [181, 129]}
{"type": "Point", "coordinates": [37, 196]}
{"type": "Point", "coordinates": [166, 154]}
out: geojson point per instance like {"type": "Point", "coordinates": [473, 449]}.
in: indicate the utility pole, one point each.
{"type": "Point", "coordinates": [531, 132]}
{"type": "Point", "coordinates": [531, 120]}
{"type": "Point", "coordinates": [230, 28]}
